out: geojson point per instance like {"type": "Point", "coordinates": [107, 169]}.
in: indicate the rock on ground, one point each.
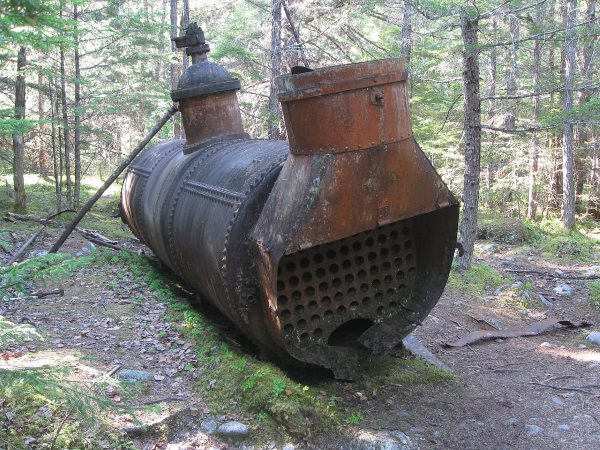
{"type": "Point", "coordinates": [563, 290]}
{"type": "Point", "coordinates": [594, 337]}
{"type": "Point", "coordinates": [134, 375]}
{"type": "Point", "coordinates": [209, 426]}
{"type": "Point", "coordinates": [233, 429]}
{"type": "Point", "coordinates": [379, 440]}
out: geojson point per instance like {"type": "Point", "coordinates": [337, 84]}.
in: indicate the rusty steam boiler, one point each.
{"type": "Point", "coordinates": [335, 243]}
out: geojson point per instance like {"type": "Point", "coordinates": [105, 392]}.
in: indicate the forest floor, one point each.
{"type": "Point", "coordinates": [72, 357]}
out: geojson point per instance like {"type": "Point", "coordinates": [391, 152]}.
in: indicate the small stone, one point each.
{"type": "Point", "coordinates": [496, 324]}
{"type": "Point", "coordinates": [209, 426]}
{"type": "Point", "coordinates": [594, 337]}
{"type": "Point", "coordinates": [582, 346]}
{"type": "Point", "coordinates": [288, 447]}
{"type": "Point", "coordinates": [545, 344]}
{"type": "Point", "coordinates": [489, 248]}
{"type": "Point", "coordinates": [135, 375]}
{"type": "Point", "coordinates": [563, 290]}
{"type": "Point", "coordinates": [532, 430]}
{"type": "Point", "coordinates": [233, 429]}
{"type": "Point", "coordinates": [563, 427]}
{"type": "Point", "coordinates": [512, 422]}
{"type": "Point", "coordinates": [379, 440]}
{"type": "Point", "coordinates": [547, 303]}
{"type": "Point", "coordinates": [499, 341]}
{"type": "Point", "coordinates": [558, 401]}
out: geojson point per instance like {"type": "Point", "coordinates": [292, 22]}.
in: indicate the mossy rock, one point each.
{"type": "Point", "coordinates": [507, 231]}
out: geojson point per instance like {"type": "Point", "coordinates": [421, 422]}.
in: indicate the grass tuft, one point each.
{"type": "Point", "coordinates": [477, 280]}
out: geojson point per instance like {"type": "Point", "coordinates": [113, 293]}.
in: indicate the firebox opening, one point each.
{"type": "Point", "coordinates": [347, 334]}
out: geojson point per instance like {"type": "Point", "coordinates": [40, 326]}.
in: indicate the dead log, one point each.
{"type": "Point", "coordinates": [25, 246]}
{"type": "Point", "coordinates": [84, 210]}
{"type": "Point", "coordinates": [554, 275]}
{"type": "Point", "coordinates": [42, 294]}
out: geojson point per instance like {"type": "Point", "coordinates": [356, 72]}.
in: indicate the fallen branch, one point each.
{"type": "Point", "coordinates": [47, 221]}
{"type": "Point", "coordinates": [560, 388]}
{"type": "Point", "coordinates": [164, 399]}
{"type": "Point", "coordinates": [42, 294]}
{"type": "Point", "coordinates": [110, 180]}
{"type": "Point", "coordinates": [25, 246]}
{"type": "Point", "coordinates": [103, 243]}
{"type": "Point", "coordinates": [91, 235]}
{"type": "Point", "coordinates": [555, 275]}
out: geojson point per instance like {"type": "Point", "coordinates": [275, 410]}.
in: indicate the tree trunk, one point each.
{"type": "Point", "coordinates": [295, 55]}
{"type": "Point", "coordinates": [472, 137]}
{"type": "Point", "coordinates": [65, 117]}
{"type": "Point", "coordinates": [511, 79]}
{"type": "Point", "coordinates": [407, 31]}
{"type": "Point", "coordinates": [535, 145]}
{"type": "Point", "coordinates": [42, 150]}
{"type": "Point", "coordinates": [173, 67]}
{"type": "Point", "coordinates": [77, 131]}
{"type": "Point", "coordinates": [587, 132]}
{"type": "Point", "coordinates": [491, 92]}
{"type": "Point", "coordinates": [17, 137]}
{"type": "Point", "coordinates": [273, 127]}
{"type": "Point", "coordinates": [185, 22]}
{"type": "Point", "coordinates": [568, 212]}
{"type": "Point", "coordinates": [55, 148]}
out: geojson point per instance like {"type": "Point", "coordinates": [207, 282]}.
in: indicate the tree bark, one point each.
{"type": "Point", "coordinates": [534, 150]}
{"type": "Point", "coordinates": [587, 135]}
{"type": "Point", "coordinates": [77, 118]}
{"type": "Point", "coordinates": [173, 67]}
{"type": "Point", "coordinates": [568, 211]}
{"type": "Point", "coordinates": [407, 31]}
{"type": "Point", "coordinates": [185, 22]}
{"type": "Point", "coordinates": [472, 137]}
{"type": "Point", "coordinates": [42, 150]}
{"type": "Point", "coordinates": [273, 127]}
{"type": "Point", "coordinates": [55, 148]}
{"type": "Point", "coordinates": [65, 117]}
{"type": "Point", "coordinates": [298, 52]}
{"type": "Point", "coordinates": [17, 137]}
{"type": "Point", "coordinates": [511, 79]}
{"type": "Point", "coordinates": [493, 73]}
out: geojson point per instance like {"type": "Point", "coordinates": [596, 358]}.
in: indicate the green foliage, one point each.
{"type": "Point", "coordinates": [554, 242]}
{"type": "Point", "coordinates": [476, 280]}
{"type": "Point", "coordinates": [12, 333]}
{"type": "Point", "coordinates": [41, 404]}
{"type": "Point", "coordinates": [594, 294]}
{"type": "Point", "coordinates": [46, 267]}
{"type": "Point", "coordinates": [355, 418]}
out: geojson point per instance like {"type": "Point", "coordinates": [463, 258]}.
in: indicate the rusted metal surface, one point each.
{"type": "Point", "coordinates": [206, 93]}
{"type": "Point", "coordinates": [532, 329]}
{"type": "Point", "coordinates": [345, 108]}
{"type": "Point", "coordinates": [336, 247]}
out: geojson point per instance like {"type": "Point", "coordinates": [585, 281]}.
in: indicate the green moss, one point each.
{"type": "Point", "coordinates": [477, 280]}
{"type": "Point", "coordinates": [594, 294]}
{"type": "Point", "coordinates": [554, 242]}
{"type": "Point", "coordinates": [17, 277]}
{"type": "Point", "coordinates": [234, 383]}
